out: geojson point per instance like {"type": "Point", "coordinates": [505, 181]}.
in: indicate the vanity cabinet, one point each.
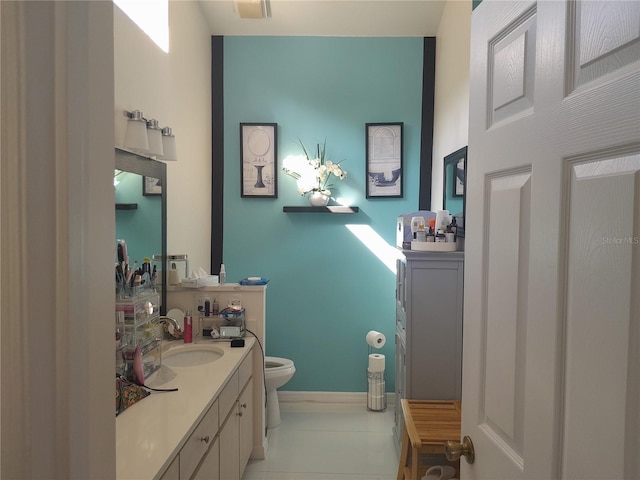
{"type": "Point", "coordinates": [236, 431]}
{"type": "Point", "coordinates": [221, 444]}
{"type": "Point", "coordinates": [199, 442]}
{"type": "Point", "coordinates": [173, 471]}
{"type": "Point", "coordinates": [429, 302]}
{"type": "Point", "coordinates": [210, 467]}
{"type": "Point", "coordinates": [229, 453]}
{"type": "Point", "coordinates": [245, 408]}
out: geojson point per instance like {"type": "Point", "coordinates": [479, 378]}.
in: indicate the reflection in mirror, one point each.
{"type": "Point", "coordinates": [454, 194]}
{"type": "Point", "coordinates": [141, 210]}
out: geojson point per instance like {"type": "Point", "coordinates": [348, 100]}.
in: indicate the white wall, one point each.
{"type": "Point", "coordinates": [451, 122]}
{"type": "Point", "coordinates": [174, 88]}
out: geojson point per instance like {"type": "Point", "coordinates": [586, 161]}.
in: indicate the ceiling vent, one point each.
{"type": "Point", "coordinates": [252, 8]}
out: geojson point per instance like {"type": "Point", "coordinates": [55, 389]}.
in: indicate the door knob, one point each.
{"type": "Point", "coordinates": [454, 450]}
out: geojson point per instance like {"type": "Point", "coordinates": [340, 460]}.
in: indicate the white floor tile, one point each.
{"type": "Point", "coordinates": [328, 442]}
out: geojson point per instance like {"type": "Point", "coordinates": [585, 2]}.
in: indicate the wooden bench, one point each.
{"type": "Point", "coordinates": [427, 425]}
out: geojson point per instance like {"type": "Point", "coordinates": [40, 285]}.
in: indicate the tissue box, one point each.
{"type": "Point", "coordinates": [403, 227]}
{"type": "Point", "coordinates": [208, 281]}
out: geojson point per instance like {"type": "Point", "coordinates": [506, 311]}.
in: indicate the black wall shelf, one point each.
{"type": "Point", "coordinates": [330, 209]}
{"type": "Point", "coordinates": [126, 206]}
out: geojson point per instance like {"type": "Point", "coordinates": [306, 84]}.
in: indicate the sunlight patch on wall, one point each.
{"type": "Point", "coordinates": [387, 254]}
{"type": "Point", "coordinates": [152, 16]}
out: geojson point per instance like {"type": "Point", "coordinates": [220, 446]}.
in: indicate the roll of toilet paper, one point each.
{"type": "Point", "coordinates": [376, 339]}
{"type": "Point", "coordinates": [376, 362]}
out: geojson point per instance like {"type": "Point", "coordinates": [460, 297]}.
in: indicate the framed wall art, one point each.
{"type": "Point", "coordinates": [458, 187]}
{"type": "Point", "coordinates": [258, 159]}
{"type": "Point", "coordinates": [151, 186]}
{"type": "Point", "coordinates": [454, 186]}
{"type": "Point", "coordinates": [384, 160]}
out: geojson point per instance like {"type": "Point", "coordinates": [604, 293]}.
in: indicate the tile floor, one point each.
{"type": "Point", "coordinates": [328, 442]}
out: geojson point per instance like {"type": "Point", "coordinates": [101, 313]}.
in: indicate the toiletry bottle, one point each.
{"type": "Point", "coordinates": [188, 327]}
{"type": "Point", "coordinates": [432, 226]}
{"type": "Point", "coordinates": [215, 308]}
{"type": "Point", "coordinates": [223, 274]}
{"type": "Point", "coordinates": [454, 226]}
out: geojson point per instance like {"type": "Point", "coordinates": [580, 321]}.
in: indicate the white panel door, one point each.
{"type": "Point", "coordinates": [551, 369]}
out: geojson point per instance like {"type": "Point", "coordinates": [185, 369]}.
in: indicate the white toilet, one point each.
{"type": "Point", "coordinates": [278, 371]}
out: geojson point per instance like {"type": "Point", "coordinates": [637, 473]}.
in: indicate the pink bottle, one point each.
{"type": "Point", "coordinates": [188, 327]}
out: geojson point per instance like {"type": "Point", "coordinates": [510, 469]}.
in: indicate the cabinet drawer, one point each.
{"type": "Point", "coordinates": [228, 396]}
{"type": "Point", "coordinates": [245, 369]}
{"type": "Point", "coordinates": [209, 469]}
{"type": "Point", "coordinates": [199, 442]}
{"type": "Point", "coordinates": [173, 472]}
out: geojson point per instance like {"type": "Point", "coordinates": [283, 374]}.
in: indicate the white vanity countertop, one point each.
{"type": "Point", "coordinates": [225, 287]}
{"type": "Point", "coordinates": [151, 432]}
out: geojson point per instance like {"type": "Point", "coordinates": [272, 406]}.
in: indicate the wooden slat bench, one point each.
{"type": "Point", "coordinates": [427, 425]}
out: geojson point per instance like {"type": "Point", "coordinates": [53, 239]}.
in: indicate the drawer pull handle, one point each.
{"type": "Point", "coordinates": [244, 405]}
{"type": "Point", "coordinates": [205, 439]}
{"type": "Point", "coordinates": [239, 414]}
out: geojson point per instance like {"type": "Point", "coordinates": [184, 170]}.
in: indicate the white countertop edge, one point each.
{"type": "Point", "coordinates": [225, 287]}
{"type": "Point", "coordinates": [150, 433]}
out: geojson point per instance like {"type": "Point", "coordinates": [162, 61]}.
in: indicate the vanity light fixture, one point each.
{"type": "Point", "coordinates": [168, 145]}
{"type": "Point", "coordinates": [136, 135]}
{"type": "Point", "coordinates": [145, 137]}
{"type": "Point", "coordinates": [154, 134]}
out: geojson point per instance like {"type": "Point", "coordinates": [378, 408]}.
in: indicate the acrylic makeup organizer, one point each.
{"type": "Point", "coordinates": [137, 325]}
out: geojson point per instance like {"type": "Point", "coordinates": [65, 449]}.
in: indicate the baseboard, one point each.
{"type": "Point", "coordinates": [359, 398]}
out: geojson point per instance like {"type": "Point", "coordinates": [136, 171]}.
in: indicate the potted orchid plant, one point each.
{"type": "Point", "coordinates": [313, 174]}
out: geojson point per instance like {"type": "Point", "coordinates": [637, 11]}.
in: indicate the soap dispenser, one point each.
{"type": "Point", "coordinates": [223, 274]}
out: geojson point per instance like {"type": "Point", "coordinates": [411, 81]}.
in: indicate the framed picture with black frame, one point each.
{"type": "Point", "coordinates": [454, 186]}
{"type": "Point", "coordinates": [458, 187]}
{"type": "Point", "coordinates": [384, 160]}
{"type": "Point", "coordinates": [258, 160]}
{"type": "Point", "coordinates": [151, 186]}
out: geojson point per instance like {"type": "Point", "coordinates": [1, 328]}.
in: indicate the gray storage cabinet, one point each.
{"type": "Point", "coordinates": [429, 301]}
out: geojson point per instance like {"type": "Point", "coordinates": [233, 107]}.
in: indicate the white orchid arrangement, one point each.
{"type": "Point", "coordinates": [313, 174]}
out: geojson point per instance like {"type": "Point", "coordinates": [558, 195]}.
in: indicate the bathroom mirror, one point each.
{"type": "Point", "coordinates": [141, 210]}
{"type": "Point", "coordinates": [454, 188]}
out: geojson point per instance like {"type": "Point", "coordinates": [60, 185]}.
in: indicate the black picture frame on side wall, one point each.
{"type": "Point", "coordinates": [384, 151]}
{"type": "Point", "coordinates": [459, 178]}
{"type": "Point", "coordinates": [454, 186]}
{"type": "Point", "coordinates": [151, 186]}
{"type": "Point", "coordinates": [258, 160]}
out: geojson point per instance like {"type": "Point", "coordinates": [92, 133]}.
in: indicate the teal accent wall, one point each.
{"type": "Point", "coordinates": [140, 228]}
{"type": "Point", "coordinates": [327, 289]}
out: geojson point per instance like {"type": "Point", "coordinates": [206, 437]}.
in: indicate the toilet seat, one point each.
{"type": "Point", "coordinates": [274, 364]}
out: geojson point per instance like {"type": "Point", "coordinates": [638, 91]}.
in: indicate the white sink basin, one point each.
{"type": "Point", "coordinates": [191, 355]}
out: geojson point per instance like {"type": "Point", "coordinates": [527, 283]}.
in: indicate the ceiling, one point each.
{"type": "Point", "coordinates": [351, 18]}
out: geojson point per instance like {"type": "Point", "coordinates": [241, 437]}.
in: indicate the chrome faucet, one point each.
{"type": "Point", "coordinates": [177, 330]}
